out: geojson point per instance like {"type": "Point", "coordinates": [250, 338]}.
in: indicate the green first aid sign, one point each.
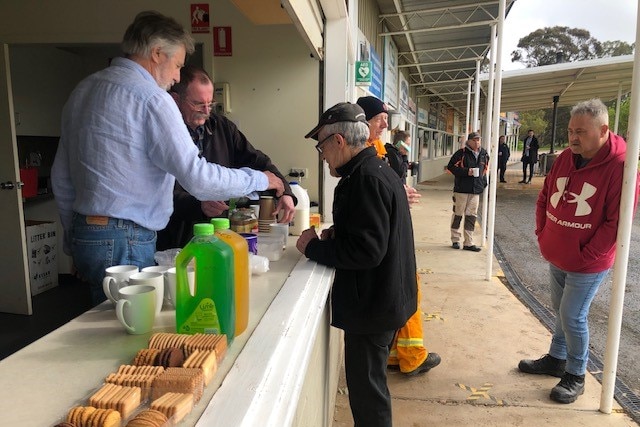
{"type": "Point", "coordinates": [363, 73]}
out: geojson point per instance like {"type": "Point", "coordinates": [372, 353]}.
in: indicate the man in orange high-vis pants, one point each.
{"type": "Point", "coordinates": [408, 352]}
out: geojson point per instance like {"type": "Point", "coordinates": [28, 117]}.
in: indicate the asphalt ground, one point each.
{"type": "Point", "coordinates": [516, 243]}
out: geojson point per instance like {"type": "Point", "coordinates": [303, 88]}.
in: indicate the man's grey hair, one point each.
{"type": "Point", "coordinates": [355, 133]}
{"type": "Point", "coordinates": [151, 29]}
{"type": "Point", "coordinates": [594, 108]}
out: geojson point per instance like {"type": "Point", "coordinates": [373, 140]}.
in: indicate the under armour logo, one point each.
{"type": "Point", "coordinates": [582, 207]}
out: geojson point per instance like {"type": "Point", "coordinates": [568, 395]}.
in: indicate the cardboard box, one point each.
{"type": "Point", "coordinates": [42, 254]}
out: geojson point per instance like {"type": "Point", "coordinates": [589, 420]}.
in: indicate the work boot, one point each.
{"type": "Point", "coordinates": [432, 360]}
{"type": "Point", "coordinates": [568, 389]}
{"type": "Point", "coordinates": [472, 248]}
{"type": "Point", "coordinates": [455, 245]}
{"type": "Point", "coordinates": [546, 365]}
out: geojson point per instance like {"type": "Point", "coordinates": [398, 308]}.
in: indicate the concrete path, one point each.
{"type": "Point", "coordinates": [481, 330]}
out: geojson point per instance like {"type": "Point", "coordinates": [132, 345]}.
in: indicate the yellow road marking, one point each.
{"type": "Point", "coordinates": [480, 393]}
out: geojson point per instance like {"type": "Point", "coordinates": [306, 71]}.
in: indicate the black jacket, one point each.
{"type": "Point", "coordinates": [398, 162]}
{"type": "Point", "coordinates": [533, 150]}
{"type": "Point", "coordinates": [503, 154]}
{"type": "Point", "coordinates": [225, 145]}
{"type": "Point", "coordinates": [375, 285]}
{"type": "Point", "coordinates": [459, 165]}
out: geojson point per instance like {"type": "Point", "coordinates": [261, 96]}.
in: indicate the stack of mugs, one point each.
{"type": "Point", "coordinates": [266, 218]}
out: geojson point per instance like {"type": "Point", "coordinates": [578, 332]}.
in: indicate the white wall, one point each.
{"type": "Point", "coordinates": [274, 86]}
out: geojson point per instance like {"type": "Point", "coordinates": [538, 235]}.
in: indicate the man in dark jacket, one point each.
{"type": "Point", "coordinates": [371, 247]}
{"type": "Point", "coordinates": [469, 166]}
{"type": "Point", "coordinates": [530, 148]}
{"type": "Point", "coordinates": [503, 157]}
{"type": "Point", "coordinates": [219, 141]}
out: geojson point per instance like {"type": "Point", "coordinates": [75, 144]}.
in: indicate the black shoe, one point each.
{"type": "Point", "coordinates": [473, 248]}
{"type": "Point", "coordinates": [502, 180]}
{"type": "Point", "coordinates": [432, 360]}
{"type": "Point", "coordinates": [522, 182]}
{"type": "Point", "coordinates": [455, 245]}
{"type": "Point", "coordinates": [546, 365]}
{"type": "Point", "coordinates": [568, 389]}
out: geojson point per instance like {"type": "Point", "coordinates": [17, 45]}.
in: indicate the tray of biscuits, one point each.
{"type": "Point", "coordinates": [159, 387]}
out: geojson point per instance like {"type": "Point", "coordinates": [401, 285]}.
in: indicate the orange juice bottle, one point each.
{"type": "Point", "coordinates": [241, 269]}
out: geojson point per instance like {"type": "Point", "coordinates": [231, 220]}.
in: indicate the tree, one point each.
{"type": "Point", "coordinates": [551, 45]}
{"type": "Point", "coordinates": [623, 120]}
{"type": "Point", "coordinates": [533, 119]}
{"type": "Point", "coordinates": [616, 48]}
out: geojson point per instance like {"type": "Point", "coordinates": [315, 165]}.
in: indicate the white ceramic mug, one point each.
{"type": "Point", "coordinates": [160, 269]}
{"type": "Point", "coordinates": [476, 172]}
{"type": "Point", "coordinates": [136, 308]}
{"type": "Point", "coordinates": [150, 278]}
{"type": "Point", "coordinates": [115, 278]}
{"type": "Point", "coordinates": [171, 282]}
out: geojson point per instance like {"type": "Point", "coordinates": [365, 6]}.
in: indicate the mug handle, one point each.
{"type": "Point", "coordinates": [120, 314]}
{"type": "Point", "coordinates": [106, 287]}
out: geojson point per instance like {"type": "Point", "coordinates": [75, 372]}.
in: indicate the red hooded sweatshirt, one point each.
{"type": "Point", "coordinates": [577, 209]}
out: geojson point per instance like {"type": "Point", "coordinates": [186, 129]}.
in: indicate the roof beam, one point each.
{"type": "Point", "coordinates": [432, 29]}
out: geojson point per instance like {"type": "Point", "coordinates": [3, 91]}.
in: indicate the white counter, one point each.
{"type": "Point", "coordinates": [261, 377]}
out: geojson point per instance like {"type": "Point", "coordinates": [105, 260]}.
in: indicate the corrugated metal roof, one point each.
{"type": "Point", "coordinates": [440, 42]}
{"type": "Point", "coordinates": [534, 88]}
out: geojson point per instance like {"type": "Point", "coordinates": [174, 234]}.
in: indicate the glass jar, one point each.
{"type": "Point", "coordinates": [243, 220]}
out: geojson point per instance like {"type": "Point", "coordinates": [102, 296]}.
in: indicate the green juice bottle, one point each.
{"type": "Point", "coordinates": [210, 309]}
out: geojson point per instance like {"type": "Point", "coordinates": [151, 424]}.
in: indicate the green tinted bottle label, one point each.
{"type": "Point", "coordinates": [203, 320]}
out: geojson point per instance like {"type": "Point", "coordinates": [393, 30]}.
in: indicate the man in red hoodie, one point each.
{"type": "Point", "coordinates": [576, 224]}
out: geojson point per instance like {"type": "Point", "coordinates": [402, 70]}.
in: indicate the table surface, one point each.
{"type": "Point", "coordinates": [41, 382]}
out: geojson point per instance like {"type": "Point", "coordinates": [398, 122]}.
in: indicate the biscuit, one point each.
{"type": "Point", "coordinates": [169, 357]}
{"type": "Point", "coordinates": [174, 405]}
{"type": "Point", "coordinates": [205, 360]}
{"type": "Point", "coordinates": [148, 418]}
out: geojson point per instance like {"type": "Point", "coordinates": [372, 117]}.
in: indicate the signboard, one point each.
{"type": "Point", "coordinates": [404, 95]}
{"type": "Point", "coordinates": [222, 41]}
{"type": "Point", "coordinates": [390, 72]}
{"type": "Point", "coordinates": [199, 17]}
{"type": "Point", "coordinates": [376, 75]}
{"type": "Point", "coordinates": [363, 73]}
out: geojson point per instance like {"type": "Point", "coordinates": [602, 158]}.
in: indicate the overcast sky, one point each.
{"type": "Point", "coordinates": [606, 20]}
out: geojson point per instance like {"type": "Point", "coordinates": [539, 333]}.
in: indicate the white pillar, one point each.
{"type": "Point", "coordinates": [494, 142]}
{"type": "Point", "coordinates": [467, 120]}
{"type": "Point", "coordinates": [476, 100]}
{"type": "Point", "coordinates": [486, 129]}
{"type": "Point", "coordinates": [622, 242]}
{"type": "Point", "coordinates": [617, 119]}
{"type": "Point", "coordinates": [336, 66]}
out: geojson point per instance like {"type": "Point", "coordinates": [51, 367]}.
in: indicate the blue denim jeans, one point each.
{"type": "Point", "coordinates": [571, 296]}
{"type": "Point", "coordinates": [96, 245]}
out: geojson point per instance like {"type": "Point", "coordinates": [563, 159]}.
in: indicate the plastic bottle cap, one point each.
{"type": "Point", "coordinates": [220, 223]}
{"type": "Point", "coordinates": [202, 229]}
{"type": "Point", "coordinates": [293, 182]}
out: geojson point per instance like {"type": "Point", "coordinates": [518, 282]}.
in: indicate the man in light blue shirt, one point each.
{"type": "Point", "coordinates": [123, 144]}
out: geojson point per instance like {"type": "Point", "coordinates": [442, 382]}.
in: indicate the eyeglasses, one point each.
{"type": "Point", "coordinates": [319, 144]}
{"type": "Point", "coordinates": [200, 106]}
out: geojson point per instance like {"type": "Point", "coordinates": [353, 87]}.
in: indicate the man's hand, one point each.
{"type": "Point", "coordinates": [327, 233]}
{"type": "Point", "coordinates": [212, 209]}
{"type": "Point", "coordinates": [412, 195]}
{"type": "Point", "coordinates": [275, 183]}
{"type": "Point", "coordinates": [307, 235]}
{"type": "Point", "coordinates": [285, 205]}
